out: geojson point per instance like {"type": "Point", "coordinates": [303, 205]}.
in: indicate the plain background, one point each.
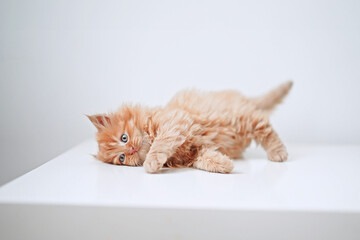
{"type": "Point", "coordinates": [60, 60]}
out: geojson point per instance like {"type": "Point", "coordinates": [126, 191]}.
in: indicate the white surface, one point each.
{"type": "Point", "coordinates": [314, 195]}
{"type": "Point", "coordinates": [315, 178]}
{"type": "Point", "coordinates": [60, 60]}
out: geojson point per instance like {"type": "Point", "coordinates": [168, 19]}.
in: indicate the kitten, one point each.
{"type": "Point", "coordinates": [203, 130]}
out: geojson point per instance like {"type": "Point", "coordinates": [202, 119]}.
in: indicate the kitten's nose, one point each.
{"type": "Point", "coordinates": [132, 150]}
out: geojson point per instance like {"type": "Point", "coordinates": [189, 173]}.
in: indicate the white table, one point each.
{"type": "Point", "coordinates": [314, 195]}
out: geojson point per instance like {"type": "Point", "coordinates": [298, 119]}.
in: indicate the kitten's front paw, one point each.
{"type": "Point", "coordinates": [154, 162]}
{"type": "Point", "coordinates": [278, 155]}
{"type": "Point", "coordinates": [226, 166]}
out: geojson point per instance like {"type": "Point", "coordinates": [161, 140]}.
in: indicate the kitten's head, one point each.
{"type": "Point", "coordinates": [121, 136]}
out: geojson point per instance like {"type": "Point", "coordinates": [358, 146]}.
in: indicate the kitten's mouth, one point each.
{"type": "Point", "coordinates": [133, 151]}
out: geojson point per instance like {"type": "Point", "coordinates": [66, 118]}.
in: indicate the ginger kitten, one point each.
{"type": "Point", "coordinates": [203, 130]}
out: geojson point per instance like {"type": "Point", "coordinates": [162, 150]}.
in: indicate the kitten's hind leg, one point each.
{"type": "Point", "coordinates": [264, 134]}
{"type": "Point", "coordinates": [213, 161]}
{"type": "Point", "coordinates": [275, 149]}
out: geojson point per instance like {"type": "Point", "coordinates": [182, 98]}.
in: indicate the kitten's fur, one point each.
{"type": "Point", "coordinates": [195, 129]}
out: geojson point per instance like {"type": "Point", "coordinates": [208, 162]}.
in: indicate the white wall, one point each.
{"type": "Point", "coordinates": [62, 59]}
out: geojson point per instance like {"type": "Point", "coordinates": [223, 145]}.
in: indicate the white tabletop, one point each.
{"type": "Point", "coordinates": [315, 178]}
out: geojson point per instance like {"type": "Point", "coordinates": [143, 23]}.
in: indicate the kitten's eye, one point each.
{"type": "Point", "coordinates": [124, 138]}
{"type": "Point", "coordinates": [122, 158]}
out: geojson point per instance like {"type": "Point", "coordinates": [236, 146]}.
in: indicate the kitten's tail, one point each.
{"type": "Point", "coordinates": [268, 101]}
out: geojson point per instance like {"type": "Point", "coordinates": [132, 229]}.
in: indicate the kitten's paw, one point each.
{"type": "Point", "coordinates": [278, 155]}
{"type": "Point", "coordinates": [213, 161]}
{"type": "Point", "coordinates": [154, 162]}
{"type": "Point", "coordinates": [226, 166]}
{"type": "Point", "coordinates": [152, 166]}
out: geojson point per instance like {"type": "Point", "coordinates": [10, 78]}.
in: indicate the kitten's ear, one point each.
{"type": "Point", "coordinates": [99, 120]}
